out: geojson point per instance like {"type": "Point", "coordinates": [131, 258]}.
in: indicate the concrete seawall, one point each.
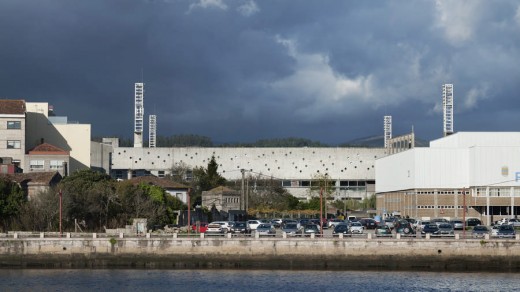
{"type": "Point", "coordinates": [269, 253]}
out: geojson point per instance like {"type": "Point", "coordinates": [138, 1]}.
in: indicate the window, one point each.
{"type": "Point", "coordinates": [14, 125]}
{"type": "Point", "coordinates": [13, 144]}
{"type": "Point", "coordinates": [56, 164]}
{"type": "Point", "coordinates": [160, 173]}
{"type": "Point", "coordinates": [37, 164]}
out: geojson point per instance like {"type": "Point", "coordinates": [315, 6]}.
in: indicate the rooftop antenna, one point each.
{"type": "Point", "coordinates": [447, 108]}
{"type": "Point", "coordinates": [387, 130]}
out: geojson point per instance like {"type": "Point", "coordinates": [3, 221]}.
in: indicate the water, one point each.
{"type": "Point", "coordinates": [251, 280]}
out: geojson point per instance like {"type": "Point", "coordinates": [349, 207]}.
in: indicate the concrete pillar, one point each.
{"type": "Point", "coordinates": [436, 204]}
{"type": "Point", "coordinates": [94, 235]}
{"type": "Point", "coordinates": [486, 236]}
{"type": "Point", "coordinates": [229, 235]}
{"type": "Point", "coordinates": [456, 202]}
{"type": "Point", "coordinates": [68, 234]}
{"type": "Point", "coordinates": [121, 235]}
{"type": "Point", "coordinates": [257, 235]}
{"type": "Point", "coordinates": [42, 235]}
{"type": "Point", "coordinates": [517, 237]}
{"type": "Point", "coordinates": [341, 236]}
{"type": "Point", "coordinates": [398, 236]}
{"type": "Point", "coordinates": [488, 218]}
{"type": "Point", "coordinates": [175, 235]}
{"type": "Point", "coordinates": [428, 236]}
{"type": "Point", "coordinates": [129, 174]}
{"type": "Point", "coordinates": [369, 236]}
{"type": "Point", "coordinates": [148, 235]}
{"type": "Point", "coordinates": [457, 236]}
{"type": "Point", "coordinates": [313, 235]}
{"type": "Point", "coordinates": [284, 234]}
{"type": "Point", "coordinates": [202, 235]}
{"type": "Point", "coordinates": [15, 235]}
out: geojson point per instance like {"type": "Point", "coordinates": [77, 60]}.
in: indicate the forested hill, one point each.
{"type": "Point", "coordinates": [203, 141]}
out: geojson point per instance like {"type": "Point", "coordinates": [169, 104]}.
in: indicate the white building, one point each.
{"type": "Point", "coordinates": [430, 182]}
{"type": "Point", "coordinates": [352, 169]}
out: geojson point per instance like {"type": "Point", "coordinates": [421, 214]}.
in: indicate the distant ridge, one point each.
{"type": "Point", "coordinates": [377, 142]}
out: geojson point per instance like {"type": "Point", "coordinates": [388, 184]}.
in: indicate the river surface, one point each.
{"type": "Point", "coordinates": [250, 280]}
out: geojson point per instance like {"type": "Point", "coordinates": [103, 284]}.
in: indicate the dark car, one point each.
{"type": "Point", "coordinates": [341, 228]}
{"type": "Point", "coordinates": [291, 229]}
{"type": "Point", "coordinates": [473, 222]}
{"type": "Point", "coordinates": [479, 231]}
{"type": "Point", "coordinates": [446, 229]}
{"type": "Point", "coordinates": [310, 229]}
{"type": "Point", "coordinates": [383, 230]}
{"type": "Point", "coordinates": [506, 231]}
{"type": "Point", "coordinates": [239, 227]}
{"type": "Point", "coordinates": [404, 227]}
{"type": "Point", "coordinates": [369, 223]}
{"type": "Point", "coordinates": [431, 229]}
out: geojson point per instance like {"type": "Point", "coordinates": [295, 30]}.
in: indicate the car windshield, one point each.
{"type": "Point", "coordinates": [506, 227]}
{"type": "Point", "coordinates": [264, 226]}
{"type": "Point", "coordinates": [480, 228]}
{"type": "Point", "coordinates": [356, 224]}
{"type": "Point", "coordinates": [444, 225]}
{"type": "Point", "coordinates": [240, 224]}
{"type": "Point", "coordinates": [290, 226]}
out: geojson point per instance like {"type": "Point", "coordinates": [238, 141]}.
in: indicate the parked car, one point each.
{"type": "Point", "coordinates": [479, 231]}
{"type": "Point", "coordinates": [302, 223]}
{"type": "Point", "coordinates": [457, 224]}
{"type": "Point", "coordinates": [446, 229]}
{"type": "Point", "coordinates": [334, 222]}
{"type": "Point", "coordinates": [494, 230]}
{"type": "Point", "coordinates": [439, 221]}
{"type": "Point", "coordinates": [515, 222]}
{"type": "Point", "coordinates": [277, 223]}
{"type": "Point", "coordinates": [422, 223]}
{"type": "Point", "coordinates": [239, 227]}
{"type": "Point", "coordinates": [404, 227]}
{"type": "Point", "coordinates": [506, 231]}
{"type": "Point", "coordinates": [369, 223]}
{"type": "Point", "coordinates": [390, 222]}
{"type": "Point", "coordinates": [215, 229]}
{"type": "Point", "coordinates": [432, 229]}
{"type": "Point", "coordinates": [341, 228]}
{"type": "Point", "coordinates": [310, 229]}
{"type": "Point", "coordinates": [265, 229]}
{"type": "Point", "coordinates": [357, 228]}
{"type": "Point", "coordinates": [473, 222]}
{"type": "Point", "coordinates": [252, 225]}
{"type": "Point", "coordinates": [287, 221]}
{"type": "Point", "coordinates": [203, 226]}
{"type": "Point", "coordinates": [226, 225]}
{"type": "Point", "coordinates": [383, 230]}
{"type": "Point", "coordinates": [292, 229]}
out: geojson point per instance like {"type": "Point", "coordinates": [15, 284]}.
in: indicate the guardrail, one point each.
{"type": "Point", "coordinates": [253, 235]}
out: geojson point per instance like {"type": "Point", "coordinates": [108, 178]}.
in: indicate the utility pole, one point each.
{"type": "Point", "coordinates": [189, 212]}
{"type": "Point", "coordinates": [242, 194]}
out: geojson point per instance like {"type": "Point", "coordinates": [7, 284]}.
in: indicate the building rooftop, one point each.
{"type": "Point", "coordinates": [46, 149]}
{"type": "Point", "coordinates": [12, 107]}
{"type": "Point", "coordinates": [32, 177]}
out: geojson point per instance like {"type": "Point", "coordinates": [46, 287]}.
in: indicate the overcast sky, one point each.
{"type": "Point", "coordinates": [243, 70]}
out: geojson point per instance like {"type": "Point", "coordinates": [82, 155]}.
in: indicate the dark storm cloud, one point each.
{"type": "Point", "coordinates": [241, 70]}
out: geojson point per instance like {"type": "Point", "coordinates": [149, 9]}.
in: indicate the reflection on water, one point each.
{"type": "Point", "coordinates": [251, 280]}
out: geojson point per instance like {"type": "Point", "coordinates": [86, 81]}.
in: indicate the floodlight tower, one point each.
{"type": "Point", "coordinates": [447, 107]}
{"type": "Point", "coordinates": [139, 113]}
{"type": "Point", "coordinates": [388, 130]}
{"type": "Point", "coordinates": [152, 131]}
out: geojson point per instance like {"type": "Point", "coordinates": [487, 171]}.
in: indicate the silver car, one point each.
{"type": "Point", "coordinates": [445, 229]}
{"type": "Point", "coordinates": [291, 229]}
{"type": "Point", "coordinates": [265, 229]}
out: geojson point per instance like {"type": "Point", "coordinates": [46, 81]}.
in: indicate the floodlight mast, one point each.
{"type": "Point", "coordinates": [139, 115]}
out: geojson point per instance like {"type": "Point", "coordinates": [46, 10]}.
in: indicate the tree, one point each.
{"type": "Point", "coordinates": [88, 197]}
{"type": "Point", "coordinates": [206, 179]}
{"type": "Point", "coordinates": [11, 200]}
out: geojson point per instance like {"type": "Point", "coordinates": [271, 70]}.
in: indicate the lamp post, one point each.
{"type": "Point", "coordinates": [61, 199]}
{"type": "Point", "coordinates": [189, 212]}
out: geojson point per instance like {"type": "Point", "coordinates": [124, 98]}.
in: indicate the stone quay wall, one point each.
{"type": "Point", "coordinates": [436, 254]}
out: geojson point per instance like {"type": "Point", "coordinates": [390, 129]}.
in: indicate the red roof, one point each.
{"type": "Point", "coordinates": [12, 107]}
{"type": "Point", "coordinates": [47, 149]}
